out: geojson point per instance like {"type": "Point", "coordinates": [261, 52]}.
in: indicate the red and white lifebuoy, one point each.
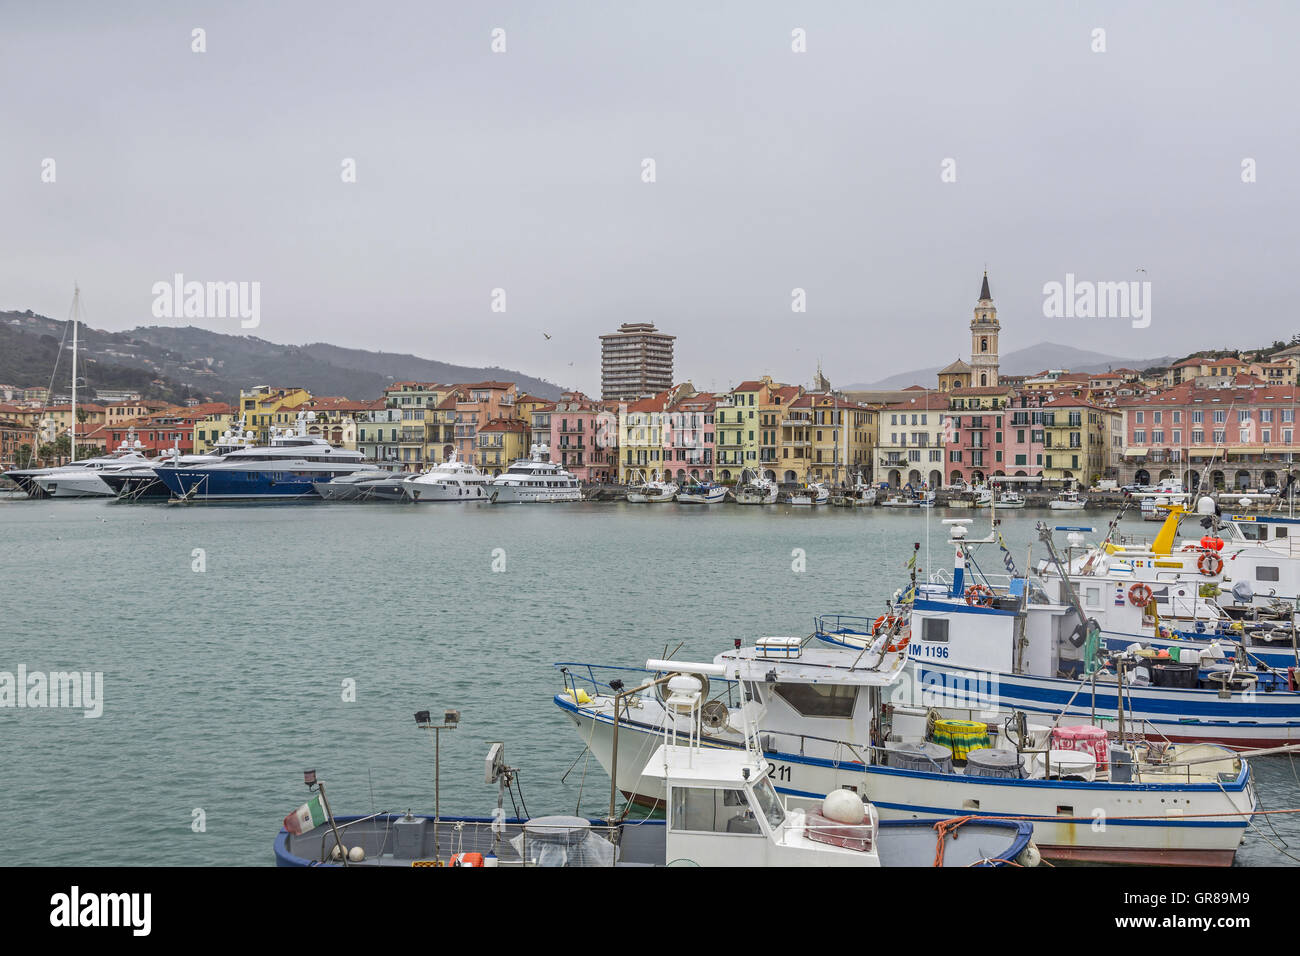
{"type": "Point", "coordinates": [979, 594]}
{"type": "Point", "coordinates": [1209, 563]}
{"type": "Point", "coordinates": [1139, 595]}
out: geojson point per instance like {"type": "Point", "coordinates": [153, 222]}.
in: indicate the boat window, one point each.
{"type": "Point", "coordinates": [769, 803]}
{"type": "Point", "coordinates": [1254, 532]}
{"type": "Point", "coordinates": [1279, 531]}
{"type": "Point", "coordinates": [706, 810]}
{"type": "Point", "coordinates": [934, 629]}
{"type": "Point", "coordinates": [1094, 597]}
{"type": "Point", "coordinates": [1266, 573]}
{"type": "Point", "coordinates": [818, 700]}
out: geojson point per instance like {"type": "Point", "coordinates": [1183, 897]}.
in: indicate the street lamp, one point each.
{"type": "Point", "coordinates": [450, 718]}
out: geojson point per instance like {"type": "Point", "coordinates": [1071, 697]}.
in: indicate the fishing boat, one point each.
{"type": "Point", "coordinates": [651, 491]}
{"type": "Point", "coordinates": [534, 480]}
{"type": "Point", "coordinates": [814, 493]}
{"type": "Point", "coordinates": [901, 500]}
{"type": "Point", "coordinates": [859, 496]}
{"type": "Point", "coordinates": [721, 809]}
{"type": "Point", "coordinates": [701, 493]}
{"type": "Point", "coordinates": [1039, 643]}
{"type": "Point", "coordinates": [982, 497]}
{"type": "Point", "coordinates": [1011, 499]}
{"type": "Point", "coordinates": [831, 718]}
{"type": "Point", "coordinates": [453, 480]}
{"type": "Point", "coordinates": [1068, 501]}
{"type": "Point", "coordinates": [758, 490]}
{"type": "Point", "coordinates": [287, 469]}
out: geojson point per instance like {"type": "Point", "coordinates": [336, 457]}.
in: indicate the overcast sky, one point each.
{"type": "Point", "coordinates": [775, 170]}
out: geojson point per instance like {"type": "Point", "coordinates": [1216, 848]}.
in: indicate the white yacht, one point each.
{"type": "Point", "coordinates": [532, 479]}
{"type": "Point", "coordinates": [363, 486]}
{"type": "Point", "coordinates": [453, 480]}
{"type": "Point", "coordinates": [82, 479]}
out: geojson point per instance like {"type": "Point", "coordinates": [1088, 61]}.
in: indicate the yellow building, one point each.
{"type": "Point", "coordinates": [642, 428]}
{"type": "Point", "coordinates": [825, 437]}
{"type": "Point", "coordinates": [263, 408]}
{"type": "Point", "coordinates": [208, 430]}
{"type": "Point", "coordinates": [1077, 439]}
{"type": "Point", "coordinates": [500, 442]}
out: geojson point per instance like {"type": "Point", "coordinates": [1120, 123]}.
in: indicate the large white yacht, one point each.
{"type": "Point", "coordinates": [453, 480]}
{"type": "Point", "coordinates": [82, 479]}
{"type": "Point", "coordinates": [532, 479]}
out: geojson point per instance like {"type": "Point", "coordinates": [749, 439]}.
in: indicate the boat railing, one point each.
{"type": "Point", "coordinates": [841, 751]}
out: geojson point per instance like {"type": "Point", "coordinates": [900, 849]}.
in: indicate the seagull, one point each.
{"type": "Point", "coordinates": [547, 335]}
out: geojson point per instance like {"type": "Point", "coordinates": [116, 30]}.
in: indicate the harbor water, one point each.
{"type": "Point", "coordinates": [243, 644]}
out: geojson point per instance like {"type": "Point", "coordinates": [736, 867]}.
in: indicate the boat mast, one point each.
{"type": "Point", "coordinates": [76, 296]}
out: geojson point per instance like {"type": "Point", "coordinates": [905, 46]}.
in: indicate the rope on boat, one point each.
{"type": "Point", "coordinates": [1262, 834]}
{"type": "Point", "coordinates": [943, 828]}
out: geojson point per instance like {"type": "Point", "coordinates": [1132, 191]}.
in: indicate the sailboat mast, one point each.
{"type": "Point", "coordinates": [76, 297]}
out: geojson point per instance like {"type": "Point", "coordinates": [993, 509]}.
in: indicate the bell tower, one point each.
{"type": "Point", "coordinates": [984, 330]}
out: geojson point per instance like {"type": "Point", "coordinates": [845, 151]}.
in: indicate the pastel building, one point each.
{"type": "Point", "coordinates": [498, 443]}
{"type": "Point", "coordinates": [584, 437]}
{"type": "Point", "coordinates": [909, 448]}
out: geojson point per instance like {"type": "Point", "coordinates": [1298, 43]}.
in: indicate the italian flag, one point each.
{"type": "Point", "coordinates": [307, 817]}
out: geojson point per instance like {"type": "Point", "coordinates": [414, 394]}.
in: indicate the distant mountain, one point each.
{"type": "Point", "coordinates": [174, 362]}
{"type": "Point", "coordinates": [1027, 361]}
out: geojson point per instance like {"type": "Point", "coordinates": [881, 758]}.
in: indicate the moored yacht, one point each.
{"type": "Point", "coordinates": [534, 480]}
{"type": "Point", "coordinates": [83, 479]}
{"type": "Point", "coordinates": [286, 469]}
{"type": "Point", "coordinates": [363, 486]}
{"type": "Point", "coordinates": [453, 480]}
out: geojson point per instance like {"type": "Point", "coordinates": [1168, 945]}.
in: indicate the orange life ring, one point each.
{"type": "Point", "coordinates": [886, 621]}
{"type": "Point", "coordinates": [1209, 563]}
{"type": "Point", "coordinates": [900, 645]}
{"type": "Point", "coordinates": [981, 594]}
{"type": "Point", "coordinates": [1139, 595]}
{"type": "Point", "coordinates": [467, 859]}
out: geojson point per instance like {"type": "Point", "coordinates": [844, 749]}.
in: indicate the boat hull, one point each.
{"type": "Point", "coordinates": [204, 484]}
{"type": "Point", "coordinates": [509, 494]}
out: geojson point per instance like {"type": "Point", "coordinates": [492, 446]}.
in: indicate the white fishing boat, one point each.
{"type": "Point", "coordinates": [651, 491]}
{"type": "Point", "coordinates": [830, 719]}
{"type": "Point", "coordinates": [1011, 499]}
{"type": "Point", "coordinates": [453, 480]}
{"type": "Point", "coordinates": [902, 500]}
{"type": "Point", "coordinates": [758, 490]}
{"type": "Point", "coordinates": [534, 480]}
{"type": "Point", "coordinates": [721, 808]}
{"type": "Point", "coordinates": [814, 493]}
{"type": "Point", "coordinates": [859, 496]}
{"type": "Point", "coordinates": [1067, 501]}
{"type": "Point", "coordinates": [702, 493]}
{"type": "Point", "coordinates": [982, 497]}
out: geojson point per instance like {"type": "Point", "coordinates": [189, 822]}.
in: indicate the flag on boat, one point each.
{"type": "Point", "coordinates": [911, 562]}
{"type": "Point", "coordinates": [307, 817]}
{"type": "Point", "coordinates": [1006, 557]}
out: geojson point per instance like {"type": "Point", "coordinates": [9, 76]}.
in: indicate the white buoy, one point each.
{"type": "Point", "coordinates": [356, 854]}
{"type": "Point", "coordinates": [337, 853]}
{"type": "Point", "coordinates": [844, 806]}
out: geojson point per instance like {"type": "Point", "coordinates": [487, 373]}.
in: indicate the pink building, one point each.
{"type": "Point", "coordinates": [689, 446]}
{"type": "Point", "coordinates": [975, 433]}
{"type": "Point", "coordinates": [584, 437]}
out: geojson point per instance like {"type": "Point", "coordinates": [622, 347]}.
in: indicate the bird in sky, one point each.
{"type": "Point", "coordinates": [547, 335]}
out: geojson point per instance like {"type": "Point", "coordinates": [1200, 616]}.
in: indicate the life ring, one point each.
{"type": "Point", "coordinates": [467, 859]}
{"type": "Point", "coordinates": [1188, 547]}
{"type": "Point", "coordinates": [899, 645]}
{"type": "Point", "coordinates": [885, 621]}
{"type": "Point", "coordinates": [1209, 563]}
{"type": "Point", "coordinates": [980, 594]}
{"type": "Point", "coordinates": [1139, 595]}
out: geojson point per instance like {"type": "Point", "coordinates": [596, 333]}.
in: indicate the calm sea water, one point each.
{"type": "Point", "coordinates": [222, 686]}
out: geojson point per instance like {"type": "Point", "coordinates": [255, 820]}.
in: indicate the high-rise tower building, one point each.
{"type": "Point", "coordinates": [635, 361]}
